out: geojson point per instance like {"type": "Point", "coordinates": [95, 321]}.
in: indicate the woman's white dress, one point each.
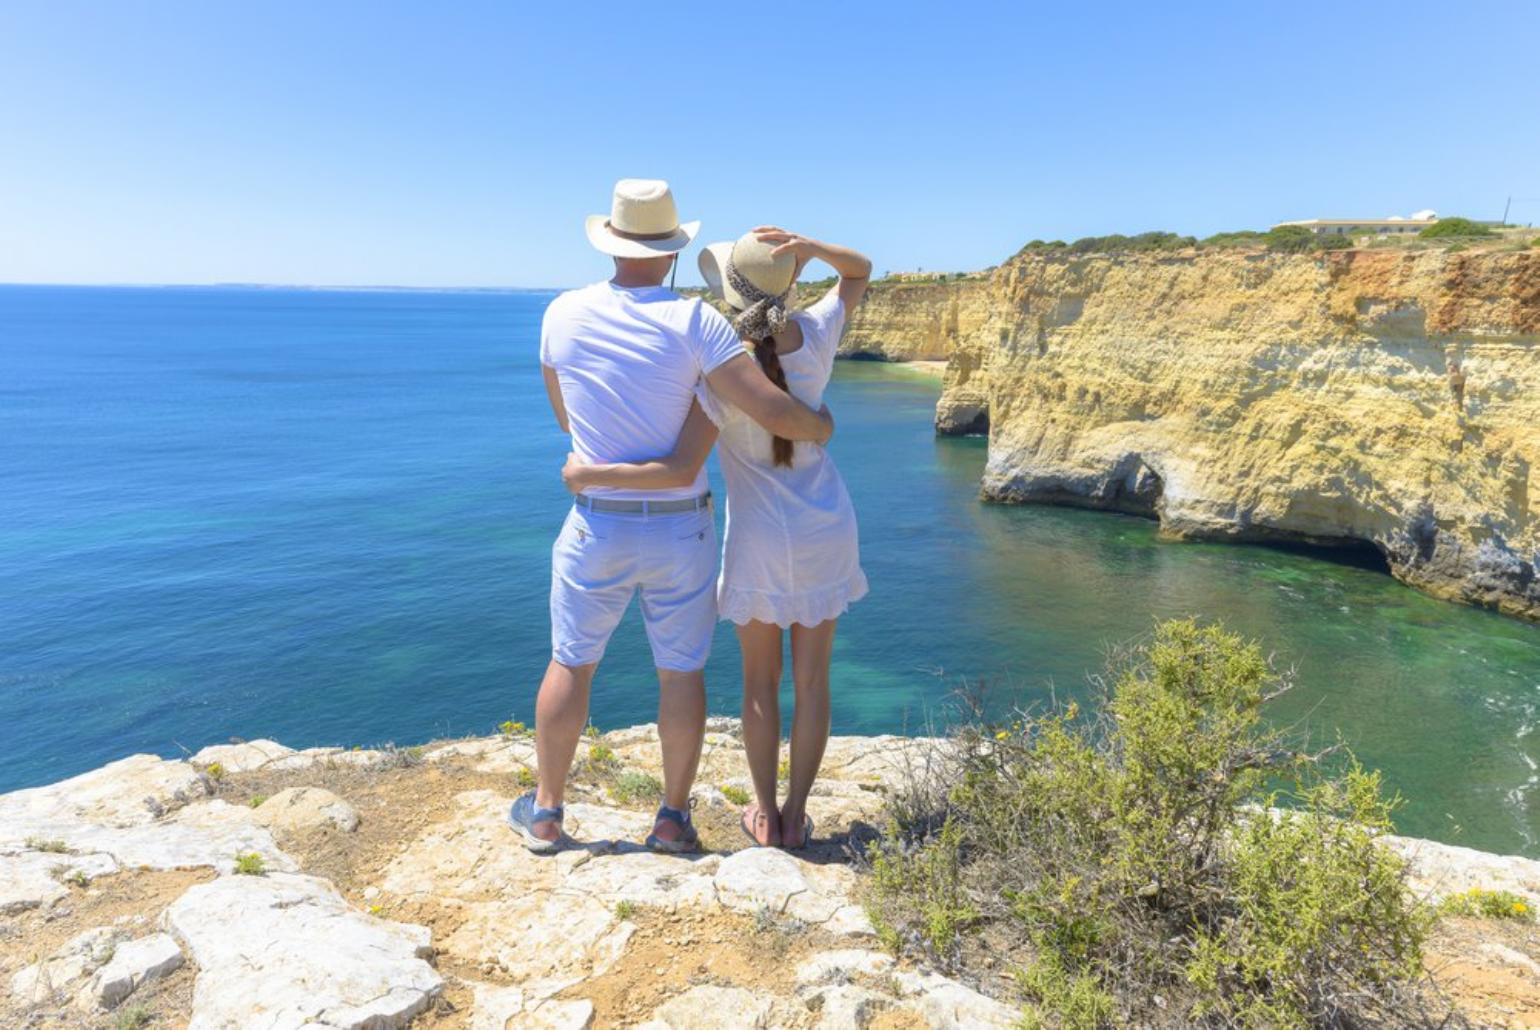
{"type": "Point", "coordinates": [792, 553]}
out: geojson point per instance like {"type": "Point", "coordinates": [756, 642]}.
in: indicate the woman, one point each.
{"type": "Point", "coordinates": [790, 560]}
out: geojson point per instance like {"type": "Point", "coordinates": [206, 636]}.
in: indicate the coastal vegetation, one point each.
{"type": "Point", "coordinates": [1456, 228]}
{"type": "Point", "coordinates": [1164, 859]}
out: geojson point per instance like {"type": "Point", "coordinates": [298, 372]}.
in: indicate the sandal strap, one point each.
{"type": "Point", "coordinates": [675, 816]}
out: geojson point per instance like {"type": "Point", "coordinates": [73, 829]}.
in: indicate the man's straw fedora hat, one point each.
{"type": "Point", "coordinates": [754, 261]}
{"type": "Point", "coordinates": [642, 223]}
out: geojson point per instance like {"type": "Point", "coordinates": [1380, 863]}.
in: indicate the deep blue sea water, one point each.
{"type": "Point", "coordinates": [326, 517]}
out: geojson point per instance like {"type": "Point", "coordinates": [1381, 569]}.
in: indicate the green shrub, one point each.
{"type": "Point", "coordinates": [1456, 227]}
{"type": "Point", "coordinates": [625, 909]}
{"type": "Point", "coordinates": [256, 800]}
{"type": "Point", "coordinates": [1488, 904]}
{"type": "Point", "coordinates": [250, 864]}
{"type": "Point", "coordinates": [50, 845]}
{"type": "Point", "coordinates": [600, 754]}
{"type": "Point", "coordinates": [215, 772]}
{"type": "Point", "coordinates": [511, 728]}
{"type": "Point", "coordinates": [735, 795]}
{"type": "Point", "coordinates": [525, 777]}
{"type": "Point", "coordinates": [1140, 853]}
{"type": "Point", "coordinates": [1242, 238]}
{"type": "Point", "coordinates": [132, 1017]}
{"type": "Point", "coordinates": [1143, 243]}
{"type": "Point", "coordinates": [630, 788]}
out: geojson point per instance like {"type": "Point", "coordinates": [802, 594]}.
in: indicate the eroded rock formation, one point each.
{"type": "Point", "coordinates": [1379, 397]}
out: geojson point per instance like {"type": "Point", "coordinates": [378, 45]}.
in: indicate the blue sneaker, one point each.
{"type": "Point", "coordinates": [525, 814]}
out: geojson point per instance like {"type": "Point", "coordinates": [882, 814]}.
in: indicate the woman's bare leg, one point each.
{"type": "Point", "coordinates": [761, 643]}
{"type": "Point", "coordinates": [811, 652]}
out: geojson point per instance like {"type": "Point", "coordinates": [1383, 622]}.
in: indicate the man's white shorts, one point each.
{"type": "Point", "coordinates": [601, 559]}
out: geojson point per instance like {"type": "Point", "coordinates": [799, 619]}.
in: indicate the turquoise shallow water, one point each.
{"type": "Point", "coordinates": [325, 517]}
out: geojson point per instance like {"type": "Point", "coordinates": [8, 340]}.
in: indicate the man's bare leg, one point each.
{"type": "Point", "coordinates": [561, 711]}
{"type": "Point", "coordinates": [681, 727]}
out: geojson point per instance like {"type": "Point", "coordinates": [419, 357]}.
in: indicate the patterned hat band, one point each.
{"type": "Point", "coordinates": [766, 313]}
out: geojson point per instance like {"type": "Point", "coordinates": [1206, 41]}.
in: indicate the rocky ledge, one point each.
{"type": "Point", "coordinates": [255, 885]}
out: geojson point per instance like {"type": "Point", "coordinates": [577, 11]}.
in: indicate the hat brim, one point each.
{"type": "Point", "coordinates": [606, 242]}
{"type": "Point", "coordinates": [713, 268]}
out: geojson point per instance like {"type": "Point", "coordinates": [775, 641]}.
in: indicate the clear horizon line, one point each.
{"type": "Point", "coordinates": [338, 287]}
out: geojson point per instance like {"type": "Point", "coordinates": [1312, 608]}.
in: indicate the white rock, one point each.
{"type": "Point", "coordinates": [239, 758]}
{"type": "Point", "coordinates": [541, 936]}
{"type": "Point", "coordinates": [1440, 870]}
{"type": "Point", "coordinates": [709, 1007]}
{"type": "Point", "coordinates": [839, 966]}
{"type": "Point", "coordinates": [34, 879]}
{"type": "Point", "coordinates": [328, 757]}
{"type": "Point", "coordinates": [559, 1015]}
{"type": "Point", "coordinates": [63, 972]}
{"type": "Point", "coordinates": [130, 792]}
{"type": "Point", "coordinates": [306, 808]}
{"type": "Point", "coordinates": [842, 1006]}
{"type": "Point", "coordinates": [287, 950]}
{"type": "Point", "coordinates": [496, 1008]}
{"type": "Point", "coordinates": [948, 1005]}
{"type": "Point", "coordinates": [133, 963]}
{"type": "Point", "coordinates": [757, 878]}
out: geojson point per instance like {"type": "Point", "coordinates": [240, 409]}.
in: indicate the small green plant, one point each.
{"type": "Point", "coordinates": [591, 732]}
{"type": "Point", "coordinates": [215, 772]}
{"type": "Point", "coordinates": [625, 909]}
{"type": "Point", "coordinates": [73, 877]}
{"type": "Point", "coordinates": [631, 788]}
{"type": "Point", "coordinates": [511, 729]}
{"type": "Point", "coordinates": [1488, 904]}
{"type": "Point", "coordinates": [133, 1017]}
{"type": "Point", "coordinates": [250, 863]}
{"type": "Point", "coordinates": [1460, 228]}
{"type": "Point", "coordinates": [256, 800]}
{"type": "Point", "coordinates": [735, 795]}
{"type": "Point", "coordinates": [601, 755]}
{"type": "Point", "coordinates": [783, 770]}
{"type": "Point", "coordinates": [51, 846]}
{"type": "Point", "coordinates": [525, 778]}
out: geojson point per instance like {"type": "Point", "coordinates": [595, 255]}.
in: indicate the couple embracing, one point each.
{"type": "Point", "coordinates": [646, 382]}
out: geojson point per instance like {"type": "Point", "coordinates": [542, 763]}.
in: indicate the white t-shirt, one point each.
{"type": "Point", "coordinates": [629, 360]}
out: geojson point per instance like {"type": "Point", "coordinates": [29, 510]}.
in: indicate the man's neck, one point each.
{"type": "Point", "coordinates": [633, 281]}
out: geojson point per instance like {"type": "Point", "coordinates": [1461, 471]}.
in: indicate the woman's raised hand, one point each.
{"type": "Point", "coordinates": [802, 247]}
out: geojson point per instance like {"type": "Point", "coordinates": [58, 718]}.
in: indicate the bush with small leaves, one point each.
{"type": "Point", "coordinates": [250, 863]}
{"type": "Point", "coordinates": [1149, 851]}
{"type": "Point", "coordinates": [1456, 228]}
{"type": "Point", "coordinates": [50, 845]}
{"type": "Point", "coordinates": [256, 800]}
{"type": "Point", "coordinates": [630, 788]}
{"type": "Point", "coordinates": [134, 1017]}
{"type": "Point", "coordinates": [215, 772]}
{"type": "Point", "coordinates": [735, 795]}
{"type": "Point", "coordinates": [625, 909]}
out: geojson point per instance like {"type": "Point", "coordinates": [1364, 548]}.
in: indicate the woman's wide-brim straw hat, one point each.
{"type": "Point", "coordinates": [754, 261]}
{"type": "Point", "coordinates": [642, 223]}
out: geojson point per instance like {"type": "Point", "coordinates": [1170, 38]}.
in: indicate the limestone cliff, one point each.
{"type": "Point", "coordinates": [1250, 395]}
{"type": "Point", "coordinates": [917, 321]}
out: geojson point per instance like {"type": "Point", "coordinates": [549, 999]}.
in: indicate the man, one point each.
{"type": "Point", "coordinates": [622, 360]}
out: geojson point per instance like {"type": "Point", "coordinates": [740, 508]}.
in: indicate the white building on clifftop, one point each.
{"type": "Point", "coordinates": [1394, 225]}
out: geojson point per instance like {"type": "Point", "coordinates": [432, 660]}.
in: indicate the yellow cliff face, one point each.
{"type": "Point", "coordinates": [1387, 397]}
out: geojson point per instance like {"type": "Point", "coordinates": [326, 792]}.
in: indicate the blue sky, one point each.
{"type": "Point", "coordinates": [462, 144]}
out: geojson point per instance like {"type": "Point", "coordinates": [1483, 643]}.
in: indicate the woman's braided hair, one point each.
{"type": "Point", "coordinates": [759, 322]}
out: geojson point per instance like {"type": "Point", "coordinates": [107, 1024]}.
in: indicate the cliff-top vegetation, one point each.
{"type": "Point", "coordinates": [1165, 859]}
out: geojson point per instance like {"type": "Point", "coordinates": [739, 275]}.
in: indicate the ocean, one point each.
{"type": "Point", "coordinates": [325, 517]}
